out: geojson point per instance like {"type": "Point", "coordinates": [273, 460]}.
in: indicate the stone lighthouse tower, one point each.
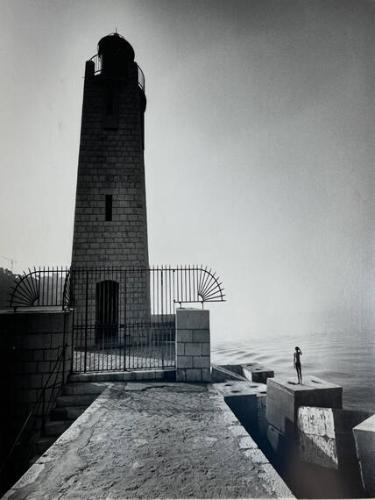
{"type": "Point", "coordinates": [110, 227]}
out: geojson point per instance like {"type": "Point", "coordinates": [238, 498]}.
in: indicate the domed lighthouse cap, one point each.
{"type": "Point", "coordinates": [115, 53]}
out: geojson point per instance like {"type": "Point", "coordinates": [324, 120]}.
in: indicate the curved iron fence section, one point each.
{"type": "Point", "coordinates": [183, 285]}
{"type": "Point", "coordinates": [67, 298]}
{"type": "Point", "coordinates": [43, 287]}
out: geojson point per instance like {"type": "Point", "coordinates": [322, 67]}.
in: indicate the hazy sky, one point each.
{"type": "Point", "coordinates": [259, 146]}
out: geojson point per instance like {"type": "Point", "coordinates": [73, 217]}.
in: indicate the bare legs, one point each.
{"type": "Point", "coordinates": [299, 373]}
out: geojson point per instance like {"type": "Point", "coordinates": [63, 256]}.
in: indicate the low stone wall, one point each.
{"type": "Point", "coordinates": [193, 359]}
{"type": "Point", "coordinates": [31, 343]}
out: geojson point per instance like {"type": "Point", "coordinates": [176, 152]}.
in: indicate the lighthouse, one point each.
{"type": "Point", "coordinates": [109, 271]}
{"type": "Point", "coordinates": [110, 224]}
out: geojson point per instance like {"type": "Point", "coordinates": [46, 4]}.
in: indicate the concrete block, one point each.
{"type": "Point", "coordinates": [181, 375]}
{"type": "Point", "coordinates": [193, 375]}
{"type": "Point", "coordinates": [184, 336]}
{"type": "Point", "coordinates": [326, 437]}
{"type": "Point", "coordinates": [257, 373]}
{"type": "Point", "coordinates": [241, 399]}
{"type": "Point", "coordinates": [246, 370]}
{"type": "Point", "coordinates": [201, 362]}
{"type": "Point", "coordinates": [236, 388]}
{"type": "Point", "coordinates": [364, 436]}
{"type": "Point", "coordinates": [192, 319]}
{"type": "Point", "coordinates": [180, 349]}
{"type": "Point", "coordinates": [206, 375]}
{"type": "Point", "coordinates": [261, 375]}
{"type": "Point", "coordinates": [205, 349]}
{"type": "Point", "coordinates": [184, 362]}
{"type": "Point", "coordinates": [202, 336]}
{"type": "Point", "coordinates": [316, 436]}
{"type": "Point", "coordinates": [284, 397]}
{"type": "Point", "coordinates": [192, 349]}
{"type": "Point", "coordinates": [225, 373]}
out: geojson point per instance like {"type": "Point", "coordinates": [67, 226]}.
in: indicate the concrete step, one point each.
{"type": "Point", "coordinates": [67, 412]}
{"type": "Point", "coordinates": [55, 428]}
{"type": "Point", "coordinates": [44, 443]}
{"type": "Point", "coordinates": [83, 388]}
{"type": "Point", "coordinates": [76, 400]}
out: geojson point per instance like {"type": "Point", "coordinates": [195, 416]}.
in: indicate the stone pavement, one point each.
{"type": "Point", "coordinates": [154, 440]}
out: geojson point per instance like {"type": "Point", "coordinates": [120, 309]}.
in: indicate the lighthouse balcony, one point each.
{"type": "Point", "coordinates": [97, 60]}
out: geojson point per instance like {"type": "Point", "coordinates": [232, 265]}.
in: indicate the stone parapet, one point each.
{"type": "Point", "coordinates": [193, 359]}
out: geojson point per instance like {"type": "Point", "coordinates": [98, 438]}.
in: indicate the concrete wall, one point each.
{"type": "Point", "coordinates": [193, 359]}
{"type": "Point", "coordinates": [31, 342]}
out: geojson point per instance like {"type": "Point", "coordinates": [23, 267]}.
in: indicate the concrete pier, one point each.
{"type": "Point", "coordinates": [153, 440]}
{"type": "Point", "coordinates": [285, 396]}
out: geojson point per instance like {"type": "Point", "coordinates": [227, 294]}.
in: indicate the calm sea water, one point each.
{"type": "Point", "coordinates": [344, 358]}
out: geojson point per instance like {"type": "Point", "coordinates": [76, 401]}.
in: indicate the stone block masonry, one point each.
{"type": "Point", "coordinates": [111, 164]}
{"type": "Point", "coordinates": [110, 224]}
{"type": "Point", "coordinates": [193, 360]}
{"type": "Point", "coordinates": [31, 343]}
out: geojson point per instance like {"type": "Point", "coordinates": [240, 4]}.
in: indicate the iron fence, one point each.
{"type": "Point", "coordinates": [169, 286]}
{"type": "Point", "coordinates": [123, 319]}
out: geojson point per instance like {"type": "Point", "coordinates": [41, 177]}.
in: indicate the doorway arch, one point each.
{"type": "Point", "coordinates": [106, 313]}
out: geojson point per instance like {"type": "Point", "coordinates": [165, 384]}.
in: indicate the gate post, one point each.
{"type": "Point", "coordinates": [193, 363]}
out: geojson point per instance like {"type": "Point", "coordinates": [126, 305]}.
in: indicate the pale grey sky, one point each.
{"type": "Point", "coordinates": [259, 146]}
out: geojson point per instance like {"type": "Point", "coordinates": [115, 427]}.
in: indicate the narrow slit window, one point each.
{"type": "Point", "coordinates": [108, 207]}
